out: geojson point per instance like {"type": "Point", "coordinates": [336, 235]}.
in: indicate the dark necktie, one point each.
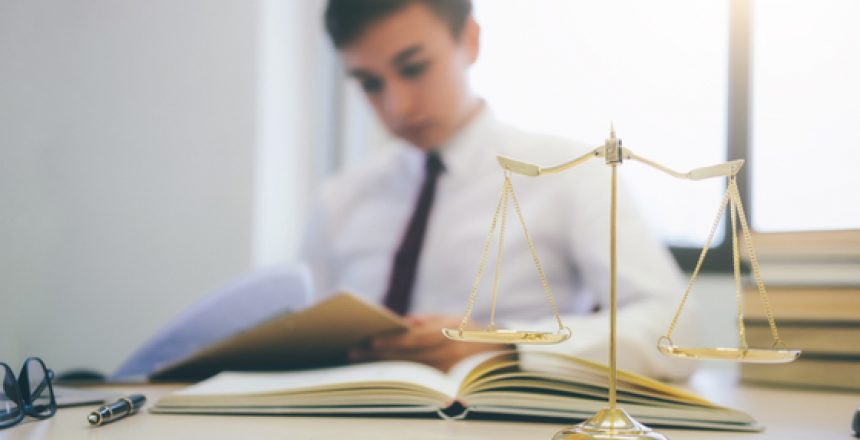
{"type": "Point", "coordinates": [402, 277]}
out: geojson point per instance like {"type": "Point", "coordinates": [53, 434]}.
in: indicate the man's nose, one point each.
{"type": "Point", "coordinates": [400, 101]}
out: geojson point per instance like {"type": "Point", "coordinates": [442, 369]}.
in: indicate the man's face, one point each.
{"type": "Point", "coordinates": [413, 71]}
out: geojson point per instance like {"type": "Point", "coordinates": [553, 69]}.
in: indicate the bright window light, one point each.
{"type": "Point", "coordinates": [657, 69]}
{"type": "Point", "coordinates": [806, 115]}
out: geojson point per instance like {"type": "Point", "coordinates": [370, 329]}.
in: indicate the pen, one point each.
{"type": "Point", "coordinates": [124, 406]}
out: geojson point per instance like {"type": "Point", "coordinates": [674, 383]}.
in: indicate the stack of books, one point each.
{"type": "Point", "coordinates": [813, 282]}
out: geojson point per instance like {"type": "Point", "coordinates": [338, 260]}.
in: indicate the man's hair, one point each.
{"type": "Point", "coordinates": [345, 20]}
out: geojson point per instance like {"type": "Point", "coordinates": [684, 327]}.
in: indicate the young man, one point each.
{"type": "Point", "coordinates": [407, 229]}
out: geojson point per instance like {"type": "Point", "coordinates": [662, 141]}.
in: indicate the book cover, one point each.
{"type": "Point", "coordinates": [317, 336]}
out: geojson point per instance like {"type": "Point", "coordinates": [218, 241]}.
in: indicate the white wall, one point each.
{"type": "Point", "coordinates": [128, 136]}
{"type": "Point", "coordinates": [8, 342]}
{"type": "Point", "coordinates": [298, 98]}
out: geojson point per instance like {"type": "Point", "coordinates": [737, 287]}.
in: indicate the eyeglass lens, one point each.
{"type": "Point", "coordinates": [10, 410]}
{"type": "Point", "coordinates": [41, 393]}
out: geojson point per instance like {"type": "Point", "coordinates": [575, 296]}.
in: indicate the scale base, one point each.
{"type": "Point", "coordinates": [609, 423]}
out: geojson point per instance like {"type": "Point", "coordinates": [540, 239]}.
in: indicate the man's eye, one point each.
{"type": "Point", "coordinates": [371, 85]}
{"type": "Point", "coordinates": [413, 70]}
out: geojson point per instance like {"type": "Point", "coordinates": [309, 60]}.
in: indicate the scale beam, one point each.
{"type": "Point", "coordinates": [532, 170]}
{"type": "Point", "coordinates": [725, 169]}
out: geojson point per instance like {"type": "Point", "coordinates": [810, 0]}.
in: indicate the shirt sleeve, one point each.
{"type": "Point", "coordinates": [649, 283]}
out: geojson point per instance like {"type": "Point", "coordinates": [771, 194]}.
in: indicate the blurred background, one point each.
{"type": "Point", "coordinates": [151, 151]}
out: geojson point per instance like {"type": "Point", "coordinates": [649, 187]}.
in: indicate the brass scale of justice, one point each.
{"type": "Point", "coordinates": [613, 422]}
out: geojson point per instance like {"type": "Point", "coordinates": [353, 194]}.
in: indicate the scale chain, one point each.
{"type": "Point", "coordinates": [483, 261]}
{"type": "Point", "coordinates": [732, 198]}
{"type": "Point", "coordinates": [502, 208]}
{"type": "Point", "coordinates": [708, 241]}
{"type": "Point", "coordinates": [777, 341]}
{"type": "Point", "coordinates": [502, 227]}
{"type": "Point", "coordinates": [538, 266]}
{"type": "Point", "coordinates": [736, 265]}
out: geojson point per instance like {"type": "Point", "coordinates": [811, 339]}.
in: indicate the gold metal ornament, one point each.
{"type": "Point", "coordinates": [777, 352]}
{"type": "Point", "coordinates": [491, 334]}
{"type": "Point", "coordinates": [613, 422]}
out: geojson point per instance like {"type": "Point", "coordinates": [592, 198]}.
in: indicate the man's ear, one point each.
{"type": "Point", "coordinates": [472, 39]}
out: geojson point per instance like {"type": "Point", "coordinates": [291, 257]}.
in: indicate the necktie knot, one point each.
{"type": "Point", "coordinates": [434, 164]}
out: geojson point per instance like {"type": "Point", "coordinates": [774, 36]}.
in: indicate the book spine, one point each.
{"type": "Point", "coordinates": [456, 410]}
{"type": "Point", "coordinates": [806, 373]}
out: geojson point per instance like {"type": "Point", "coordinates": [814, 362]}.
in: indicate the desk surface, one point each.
{"type": "Point", "coordinates": [787, 414]}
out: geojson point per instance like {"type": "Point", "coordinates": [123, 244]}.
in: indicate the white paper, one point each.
{"type": "Point", "coordinates": [325, 378]}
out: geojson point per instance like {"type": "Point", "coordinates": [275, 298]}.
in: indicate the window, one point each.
{"type": "Point", "coordinates": [805, 114]}
{"type": "Point", "coordinates": [658, 70]}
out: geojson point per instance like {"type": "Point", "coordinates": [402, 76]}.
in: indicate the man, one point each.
{"type": "Point", "coordinates": [407, 229]}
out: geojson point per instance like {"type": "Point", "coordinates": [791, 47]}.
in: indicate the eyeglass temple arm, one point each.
{"type": "Point", "coordinates": [10, 388]}
{"type": "Point", "coordinates": [725, 169]}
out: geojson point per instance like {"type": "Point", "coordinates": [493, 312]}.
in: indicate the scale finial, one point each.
{"type": "Point", "coordinates": [612, 147]}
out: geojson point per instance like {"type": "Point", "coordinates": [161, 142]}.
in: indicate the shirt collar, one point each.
{"type": "Point", "coordinates": [459, 152]}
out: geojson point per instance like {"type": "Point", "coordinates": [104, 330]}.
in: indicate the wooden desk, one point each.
{"type": "Point", "coordinates": [787, 414]}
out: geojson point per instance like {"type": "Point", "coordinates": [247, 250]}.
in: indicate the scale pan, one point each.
{"type": "Point", "coordinates": [507, 336]}
{"type": "Point", "coordinates": [751, 355]}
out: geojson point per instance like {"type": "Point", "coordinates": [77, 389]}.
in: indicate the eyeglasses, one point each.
{"type": "Point", "coordinates": [31, 394]}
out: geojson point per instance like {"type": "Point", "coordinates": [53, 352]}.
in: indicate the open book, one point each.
{"type": "Point", "coordinates": [506, 384]}
{"type": "Point", "coordinates": [317, 336]}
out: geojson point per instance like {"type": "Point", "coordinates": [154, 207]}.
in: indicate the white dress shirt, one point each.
{"type": "Point", "coordinates": [363, 213]}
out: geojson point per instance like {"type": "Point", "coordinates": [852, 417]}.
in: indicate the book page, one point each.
{"type": "Point", "coordinates": [461, 371]}
{"type": "Point", "coordinates": [587, 372]}
{"type": "Point", "coordinates": [360, 375]}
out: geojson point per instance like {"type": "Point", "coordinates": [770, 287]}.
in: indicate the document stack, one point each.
{"type": "Point", "coordinates": [813, 281]}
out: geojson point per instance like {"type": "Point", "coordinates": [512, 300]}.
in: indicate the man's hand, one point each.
{"type": "Point", "coordinates": [423, 342]}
